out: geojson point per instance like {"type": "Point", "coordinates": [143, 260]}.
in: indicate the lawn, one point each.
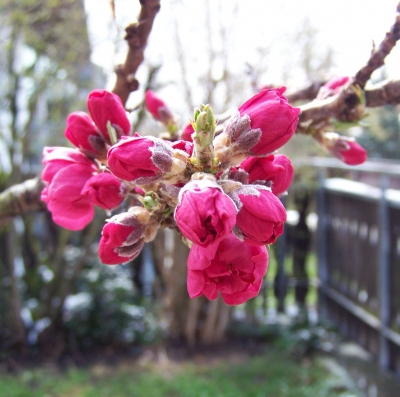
{"type": "Point", "coordinates": [271, 374]}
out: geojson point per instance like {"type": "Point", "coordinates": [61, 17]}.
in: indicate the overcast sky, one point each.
{"type": "Point", "coordinates": [349, 27]}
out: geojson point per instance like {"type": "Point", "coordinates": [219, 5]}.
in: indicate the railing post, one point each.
{"type": "Point", "coordinates": [280, 282]}
{"type": "Point", "coordinates": [384, 272]}
{"type": "Point", "coordinates": [321, 242]}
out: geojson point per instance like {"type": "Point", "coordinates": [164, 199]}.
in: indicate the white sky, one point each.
{"type": "Point", "coordinates": [349, 27]}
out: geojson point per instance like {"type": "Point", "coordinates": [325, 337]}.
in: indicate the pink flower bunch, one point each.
{"type": "Point", "coordinates": [221, 192]}
{"type": "Point", "coordinates": [76, 180]}
{"type": "Point", "coordinates": [74, 185]}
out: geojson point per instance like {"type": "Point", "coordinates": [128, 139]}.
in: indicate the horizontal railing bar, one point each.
{"type": "Point", "coordinates": [360, 313]}
{"type": "Point", "coordinates": [391, 168]}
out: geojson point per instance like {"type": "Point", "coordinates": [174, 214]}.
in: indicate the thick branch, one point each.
{"type": "Point", "coordinates": [378, 55]}
{"type": "Point", "coordinates": [21, 198]}
{"type": "Point", "coordinates": [305, 94]}
{"type": "Point", "coordinates": [384, 93]}
{"type": "Point", "coordinates": [345, 106]}
{"type": "Point", "coordinates": [136, 36]}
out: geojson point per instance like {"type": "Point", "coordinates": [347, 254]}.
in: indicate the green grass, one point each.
{"type": "Point", "coordinates": [272, 375]}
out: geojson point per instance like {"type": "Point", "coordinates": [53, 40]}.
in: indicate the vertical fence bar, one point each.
{"type": "Point", "coordinates": [280, 278]}
{"type": "Point", "coordinates": [384, 272]}
{"type": "Point", "coordinates": [321, 242]}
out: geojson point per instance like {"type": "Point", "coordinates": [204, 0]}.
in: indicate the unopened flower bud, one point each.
{"type": "Point", "coordinates": [158, 108]}
{"type": "Point", "coordinates": [140, 159]}
{"type": "Point", "coordinates": [261, 215]}
{"type": "Point", "coordinates": [204, 214]}
{"type": "Point", "coordinates": [106, 107]}
{"type": "Point", "coordinates": [82, 133]}
{"type": "Point", "coordinates": [122, 237]}
{"type": "Point", "coordinates": [104, 190]}
{"type": "Point", "coordinates": [344, 148]}
{"type": "Point", "coordinates": [275, 172]}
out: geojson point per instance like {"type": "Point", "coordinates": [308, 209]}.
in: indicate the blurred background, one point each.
{"type": "Point", "coordinates": [325, 284]}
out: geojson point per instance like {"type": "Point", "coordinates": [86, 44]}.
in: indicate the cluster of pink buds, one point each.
{"type": "Point", "coordinates": [220, 191]}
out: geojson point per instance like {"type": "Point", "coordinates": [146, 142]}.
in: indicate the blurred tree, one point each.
{"type": "Point", "coordinates": [48, 74]}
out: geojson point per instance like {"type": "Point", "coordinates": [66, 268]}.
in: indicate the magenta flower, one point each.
{"type": "Point", "coordinates": [342, 147]}
{"type": "Point", "coordinates": [332, 87]}
{"type": "Point", "coordinates": [271, 114]}
{"type": "Point", "coordinates": [261, 215]}
{"type": "Point", "coordinates": [56, 158]}
{"type": "Point", "coordinates": [83, 134]}
{"type": "Point", "coordinates": [349, 151]}
{"type": "Point", "coordinates": [183, 145]}
{"type": "Point", "coordinates": [121, 239]}
{"type": "Point", "coordinates": [104, 107]}
{"type": "Point", "coordinates": [276, 170]}
{"type": "Point", "coordinates": [157, 107]}
{"type": "Point", "coordinates": [204, 214]}
{"type": "Point", "coordinates": [104, 190]}
{"type": "Point", "coordinates": [68, 207]}
{"type": "Point", "coordinates": [140, 159]}
{"type": "Point", "coordinates": [235, 269]}
{"type": "Point", "coordinates": [187, 133]}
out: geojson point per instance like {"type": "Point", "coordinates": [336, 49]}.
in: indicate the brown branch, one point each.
{"type": "Point", "coordinates": [21, 198]}
{"type": "Point", "coordinates": [384, 93]}
{"type": "Point", "coordinates": [378, 55]}
{"type": "Point", "coordinates": [346, 106]}
{"type": "Point", "coordinates": [305, 94]}
{"type": "Point", "coordinates": [136, 36]}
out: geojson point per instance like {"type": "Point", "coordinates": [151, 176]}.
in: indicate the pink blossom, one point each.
{"type": "Point", "coordinates": [332, 87]}
{"type": "Point", "coordinates": [261, 215]}
{"type": "Point", "coordinates": [121, 238]}
{"type": "Point", "coordinates": [69, 208]}
{"type": "Point", "coordinates": [157, 107]}
{"type": "Point", "coordinates": [104, 107]}
{"type": "Point", "coordinates": [270, 112]}
{"type": "Point", "coordinates": [82, 133]}
{"type": "Point", "coordinates": [204, 214]}
{"type": "Point", "coordinates": [342, 147]}
{"type": "Point", "coordinates": [140, 159]}
{"type": "Point", "coordinates": [187, 132]}
{"type": "Point", "coordinates": [350, 152]}
{"type": "Point", "coordinates": [276, 170]}
{"type": "Point", "coordinates": [234, 268]}
{"type": "Point", "coordinates": [183, 145]}
{"type": "Point", "coordinates": [56, 158]}
{"type": "Point", "coordinates": [104, 190]}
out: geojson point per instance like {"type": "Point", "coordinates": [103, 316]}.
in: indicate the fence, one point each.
{"type": "Point", "coordinates": [359, 258]}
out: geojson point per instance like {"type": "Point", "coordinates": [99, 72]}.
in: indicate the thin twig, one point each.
{"type": "Point", "coordinates": [378, 55]}
{"type": "Point", "coordinates": [136, 36]}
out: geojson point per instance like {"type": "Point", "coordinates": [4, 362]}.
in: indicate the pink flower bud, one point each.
{"type": "Point", "coordinates": [276, 170]}
{"type": "Point", "coordinates": [234, 268]}
{"type": "Point", "coordinates": [157, 107]}
{"type": "Point", "coordinates": [121, 239]}
{"type": "Point", "coordinates": [332, 87]}
{"type": "Point", "coordinates": [261, 215]}
{"type": "Point", "coordinates": [270, 112]}
{"type": "Point", "coordinates": [104, 107]}
{"type": "Point", "coordinates": [187, 132]}
{"type": "Point", "coordinates": [205, 214]}
{"type": "Point", "coordinates": [82, 133]}
{"type": "Point", "coordinates": [350, 152]}
{"type": "Point", "coordinates": [104, 190]}
{"type": "Point", "coordinates": [344, 148]}
{"type": "Point", "coordinates": [69, 208]}
{"type": "Point", "coordinates": [183, 145]}
{"type": "Point", "coordinates": [140, 159]}
{"type": "Point", "coordinates": [56, 158]}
